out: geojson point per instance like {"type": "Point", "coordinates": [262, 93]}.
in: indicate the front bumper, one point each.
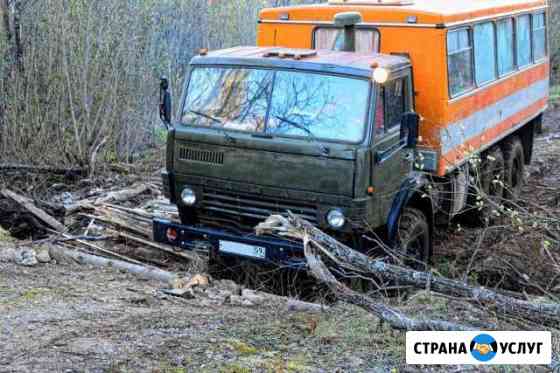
{"type": "Point", "coordinates": [280, 252]}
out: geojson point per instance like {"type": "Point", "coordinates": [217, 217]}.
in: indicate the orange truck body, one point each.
{"type": "Point", "coordinates": [451, 127]}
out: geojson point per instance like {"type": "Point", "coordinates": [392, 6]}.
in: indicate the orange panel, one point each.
{"type": "Point", "coordinates": [458, 154]}
{"type": "Point", "coordinates": [463, 107]}
{"type": "Point", "coordinates": [426, 45]}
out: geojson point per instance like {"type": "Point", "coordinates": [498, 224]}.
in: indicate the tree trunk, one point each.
{"type": "Point", "coordinates": [295, 227]}
{"type": "Point", "coordinates": [17, 43]}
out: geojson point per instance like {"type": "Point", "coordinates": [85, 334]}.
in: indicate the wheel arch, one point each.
{"type": "Point", "coordinates": [414, 192]}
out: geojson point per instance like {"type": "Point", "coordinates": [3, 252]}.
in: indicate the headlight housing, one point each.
{"type": "Point", "coordinates": [188, 196]}
{"type": "Point", "coordinates": [336, 219]}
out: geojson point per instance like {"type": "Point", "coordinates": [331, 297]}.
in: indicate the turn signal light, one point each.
{"type": "Point", "coordinates": [171, 234]}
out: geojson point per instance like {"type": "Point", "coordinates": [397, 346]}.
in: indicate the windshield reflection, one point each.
{"type": "Point", "coordinates": [232, 98]}
{"type": "Point", "coordinates": [301, 104]}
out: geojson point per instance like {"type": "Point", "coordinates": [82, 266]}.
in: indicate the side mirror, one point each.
{"type": "Point", "coordinates": [409, 129]}
{"type": "Point", "coordinates": [164, 101]}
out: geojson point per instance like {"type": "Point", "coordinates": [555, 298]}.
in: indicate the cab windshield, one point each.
{"type": "Point", "coordinates": [278, 102]}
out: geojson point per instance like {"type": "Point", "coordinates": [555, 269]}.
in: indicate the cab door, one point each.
{"type": "Point", "coordinates": [392, 160]}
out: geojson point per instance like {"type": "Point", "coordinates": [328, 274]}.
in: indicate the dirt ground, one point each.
{"type": "Point", "coordinates": [67, 317]}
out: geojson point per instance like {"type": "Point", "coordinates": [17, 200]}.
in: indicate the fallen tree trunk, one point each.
{"type": "Point", "coordinates": [190, 256]}
{"type": "Point", "coordinates": [295, 227]}
{"type": "Point", "coordinates": [68, 172]}
{"type": "Point", "coordinates": [395, 318]}
{"type": "Point", "coordinates": [57, 251]}
{"type": "Point", "coordinates": [28, 205]}
{"type": "Point", "coordinates": [124, 194]}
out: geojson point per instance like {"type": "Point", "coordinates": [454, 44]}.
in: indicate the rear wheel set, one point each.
{"type": "Point", "coordinates": [487, 192]}
{"type": "Point", "coordinates": [499, 180]}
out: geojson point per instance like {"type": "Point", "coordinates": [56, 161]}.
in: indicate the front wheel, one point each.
{"type": "Point", "coordinates": [414, 239]}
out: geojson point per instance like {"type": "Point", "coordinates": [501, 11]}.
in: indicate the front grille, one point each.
{"type": "Point", "coordinates": [204, 156]}
{"type": "Point", "coordinates": [249, 210]}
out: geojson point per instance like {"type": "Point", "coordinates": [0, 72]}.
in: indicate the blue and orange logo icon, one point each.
{"type": "Point", "coordinates": [484, 347]}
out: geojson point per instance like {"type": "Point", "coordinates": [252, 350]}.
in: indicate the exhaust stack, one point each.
{"type": "Point", "coordinates": [348, 21]}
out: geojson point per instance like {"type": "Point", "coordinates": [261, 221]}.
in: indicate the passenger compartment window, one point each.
{"type": "Point", "coordinates": [506, 59]}
{"type": "Point", "coordinates": [367, 40]}
{"type": "Point", "coordinates": [484, 53]}
{"type": "Point", "coordinates": [539, 36]}
{"type": "Point", "coordinates": [459, 61]}
{"type": "Point", "coordinates": [523, 33]}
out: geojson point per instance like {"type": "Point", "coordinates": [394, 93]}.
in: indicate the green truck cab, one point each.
{"type": "Point", "coordinates": [327, 135]}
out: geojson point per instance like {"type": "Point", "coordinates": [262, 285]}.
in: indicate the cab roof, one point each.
{"type": "Point", "coordinates": [349, 63]}
{"type": "Point", "coordinates": [437, 12]}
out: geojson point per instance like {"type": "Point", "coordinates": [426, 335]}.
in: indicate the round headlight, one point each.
{"type": "Point", "coordinates": [336, 219]}
{"type": "Point", "coordinates": [188, 197]}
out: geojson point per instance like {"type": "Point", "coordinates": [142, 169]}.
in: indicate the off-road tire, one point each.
{"type": "Point", "coordinates": [514, 171]}
{"type": "Point", "coordinates": [488, 190]}
{"type": "Point", "coordinates": [413, 238]}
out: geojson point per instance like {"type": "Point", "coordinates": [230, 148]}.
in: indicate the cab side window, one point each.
{"type": "Point", "coordinates": [395, 102]}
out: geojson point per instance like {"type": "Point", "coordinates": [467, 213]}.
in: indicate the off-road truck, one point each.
{"type": "Point", "coordinates": [333, 135]}
{"type": "Point", "coordinates": [264, 131]}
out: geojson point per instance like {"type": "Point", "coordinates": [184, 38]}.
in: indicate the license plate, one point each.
{"type": "Point", "coordinates": [242, 249]}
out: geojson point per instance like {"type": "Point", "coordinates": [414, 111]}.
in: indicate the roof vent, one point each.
{"type": "Point", "coordinates": [371, 2]}
{"type": "Point", "coordinates": [296, 54]}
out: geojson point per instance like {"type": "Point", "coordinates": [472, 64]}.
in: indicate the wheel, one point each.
{"type": "Point", "coordinates": [414, 240]}
{"type": "Point", "coordinates": [488, 189]}
{"type": "Point", "coordinates": [514, 169]}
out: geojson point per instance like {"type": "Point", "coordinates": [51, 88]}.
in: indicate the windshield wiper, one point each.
{"type": "Point", "coordinates": [216, 120]}
{"type": "Point", "coordinates": [324, 150]}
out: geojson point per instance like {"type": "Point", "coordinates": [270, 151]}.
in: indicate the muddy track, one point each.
{"type": "Point", "coordinates": [66, 317]}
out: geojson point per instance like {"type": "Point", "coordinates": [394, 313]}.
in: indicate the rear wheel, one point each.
{"type": "Point", "coordinates": [414, 238]}
{"type": "Point", "coordinates": [514, 168]}
{"type": "Point", "coordinates": [489, 187]}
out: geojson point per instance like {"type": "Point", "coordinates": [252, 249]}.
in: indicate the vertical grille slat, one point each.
{"type": "Point", "coordinates": [203, 156]}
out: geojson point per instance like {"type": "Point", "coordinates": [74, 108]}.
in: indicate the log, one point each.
{"type": "Point", "coordinates": [191, 256]}
{"type": "Point", "coordinates": [103, 250]}
{"type": "Point", "coordinates": [57, 251]}
{"type": "Point", "coordinates": [395, 318]}
{"type": "Point", "coordinates": [68, 172]}
{"type": "Point", "coordinates": [125, 194]}
{"type": "Point", "coordinates": [119, 223]}
{"type": "Point", "coordinates": [29, 206]}
{"type": "Point", "coordinates": [295, 305]}
{"type": "Point", "coordinates": [295, 227]}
